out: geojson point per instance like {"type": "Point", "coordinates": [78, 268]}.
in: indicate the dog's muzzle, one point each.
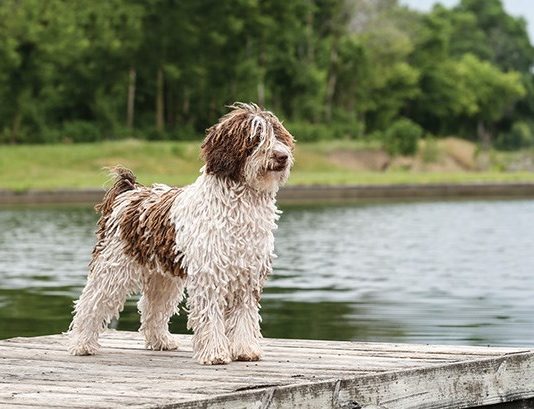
{"type": "Point", "coordinates": [278, 161]}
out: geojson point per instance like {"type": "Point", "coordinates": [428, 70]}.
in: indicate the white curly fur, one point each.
{"type": "Point", "coordinates": [224, 241]}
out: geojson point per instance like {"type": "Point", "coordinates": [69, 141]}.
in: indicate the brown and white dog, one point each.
{"type": "Point", "coordinates": [213, 237]}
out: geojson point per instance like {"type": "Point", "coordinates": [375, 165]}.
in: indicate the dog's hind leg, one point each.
{"type": "Point", "coordinates": [109, 283]}
{"type": "Point", "coordinates": [161, 296]}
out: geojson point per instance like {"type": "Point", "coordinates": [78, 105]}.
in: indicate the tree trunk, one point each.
{"type": "Point", "coordinates": [484, 137]}
{"type": "Point", "coordinates": [261, 93]}
{"type": "Point", "coordinates": [309, 37]}
{"type": "Point", "coordinates": [15, 130]}
{"type": "Point", "coordinates": [131, 98]}
{"type": "Point", "coordinates": [332, 80]}
{"type": "Point", "coordinates": [261, 82]}
{"type": "Point", "coordinates": [169, 105]}
{"type": "Point", "coordinates": [186, 104]}
{"type": "Point", "coordinates": [160, 101]}
{"type": "Point", "coordinates": [213, 109]}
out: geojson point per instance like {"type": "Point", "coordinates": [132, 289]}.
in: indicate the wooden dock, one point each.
{"type": "Point", "coordinates": [37, 372]}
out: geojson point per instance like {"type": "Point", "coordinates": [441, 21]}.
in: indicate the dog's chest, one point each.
{"type": "Point", "coordinates": [225, 233]}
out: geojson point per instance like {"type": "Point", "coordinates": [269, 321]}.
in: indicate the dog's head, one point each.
{"type": "Point", "coordinates": [251, 146]}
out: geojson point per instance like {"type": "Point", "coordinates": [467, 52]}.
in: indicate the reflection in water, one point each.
{"type": "Point", "coordinates": [443, 272]}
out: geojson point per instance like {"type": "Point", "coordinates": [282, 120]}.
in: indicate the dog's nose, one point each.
{"type": "Point", "coordinates": [281, 157]}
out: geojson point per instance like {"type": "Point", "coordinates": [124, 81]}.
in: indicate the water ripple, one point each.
{"type": "Point", "coordinates": [440, 272]}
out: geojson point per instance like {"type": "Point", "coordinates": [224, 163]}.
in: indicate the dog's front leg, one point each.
{"type": "Point", "coordinates": [243, 325]}
{"type": "Point", "coordinates": [206, 304]}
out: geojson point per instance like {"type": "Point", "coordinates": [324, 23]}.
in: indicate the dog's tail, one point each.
{"type": "Point", "coordinates": [124, 180]}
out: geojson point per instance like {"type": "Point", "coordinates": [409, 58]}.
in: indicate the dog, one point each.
{"type": "Point", "coordinates": [213, 238]}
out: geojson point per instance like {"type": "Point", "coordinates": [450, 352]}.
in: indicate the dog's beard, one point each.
{"type": "Point", "coordinates": [275, 167]}
{"type": "Point", "coordinates": [263, 174]}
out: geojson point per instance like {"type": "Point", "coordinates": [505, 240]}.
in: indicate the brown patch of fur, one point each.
{"type": "Point", "coordinates": [124, 180]}
{"type": "Point", "coordinates": [145, 224]}
{"type": "Point", "coordinates": [283, 135]}
{"type": "Point", "coordinates": [149, 233]}
{"type": "Point", "coordinates": [227, 146]}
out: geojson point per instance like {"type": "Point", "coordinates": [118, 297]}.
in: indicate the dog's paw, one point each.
{"type": "Point", "coordinates": [82, 349]}
{"type": "Point", "coordinates": [250, 352]}
{"type": "Point", "coordinates": [166, 343]}
{"type": "Point", "coordinates": [217, 356]}
{"type": "Point", "coordinates": [223, 360]}
{"type": "Point", "coordinates": [248, 357]}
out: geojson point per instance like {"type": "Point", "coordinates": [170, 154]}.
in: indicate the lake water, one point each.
{"type": "Point", "coordinates": [439, 272]}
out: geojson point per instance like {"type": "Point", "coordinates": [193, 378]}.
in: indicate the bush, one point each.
{"type": "Point", "coordinates": [402, 137]}
{"type": "Point", "coordinates": [154, 134]}
{"type": "Point", "coordinates": [182, 133]}
{"type": "Point", "coordinates": [52, 135]}
{"type": "Point", "coordinates": [520, 136]}
{"type": "Point", "coordinates": [308, 132]}
{"type": "Point", "coordinates": [430, 150]}
{"type": "Point", "coordinates": [80, 131]}
{"type": "Point", "coordinates": [120, 132]}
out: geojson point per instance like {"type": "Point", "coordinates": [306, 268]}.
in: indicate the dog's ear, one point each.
{"type": "Point", "coordinates": [227, 145]}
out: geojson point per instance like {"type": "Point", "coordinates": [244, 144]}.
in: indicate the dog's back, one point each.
{"type": "Point", "coordinates": [142, 221]}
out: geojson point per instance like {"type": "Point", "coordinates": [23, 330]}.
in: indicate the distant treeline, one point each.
{"type": "Point", "coordinates": [164, 69]}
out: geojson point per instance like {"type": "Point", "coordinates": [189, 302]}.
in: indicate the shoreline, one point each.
{"type": "Point", "coordinates": [309, 193]}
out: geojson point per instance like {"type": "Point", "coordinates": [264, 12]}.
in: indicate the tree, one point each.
{"type": "Point", "coordinates": [494, 91]}
{"type": "Point", "coordinates": [83, 71]}
{"type": "Point", "coordinates": [506, 37]}
{"type": "Point", "coordinates": [35, 40]}
{"type": "Point", "coordinates": [375, 80]}
{"type": "Point", "coordinates": [61, 62]}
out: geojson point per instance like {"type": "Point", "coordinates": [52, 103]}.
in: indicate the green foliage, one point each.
{"type": "Point", "coordinates": [402, 137]}
{"type": "Point", "coordinates": [335, 69]}
{"type": "Point", "coordinates": [494, 91]}
{"type": "Point", "coordinates": [505, 37]}
{"type": "Point", "coordinates": [80, 131]}
{"type": "Point", "coordinates": [475, 61]}
{"type": "Point", "coordinates": [186, 133]}
{"type": "Point", "coordinates": [310, 132]}
{"type": "Point", "coordinates": [519, 136]}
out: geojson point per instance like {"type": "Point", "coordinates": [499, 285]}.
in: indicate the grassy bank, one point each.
{"type": "Point", "coordinates": [80, 166]}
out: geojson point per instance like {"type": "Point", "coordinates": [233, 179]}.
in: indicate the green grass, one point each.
{"type": "Point", "coordinates": [81, 166]}
{"type": "Point", "coordinates": [406, 177]}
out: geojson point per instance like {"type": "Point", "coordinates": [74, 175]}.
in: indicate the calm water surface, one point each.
{"type": "Point", "coordinates": [441, 272]}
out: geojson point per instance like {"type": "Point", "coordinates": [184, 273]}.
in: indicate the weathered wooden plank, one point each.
{"type": "Point", "coordinates": [186, 391]}
{"type": "Point", "coordinates": [325, 344]}
{"type": "Point", "coordinates": [110, 336]}
{"type": "Point", "coordinates": [149, 358]}
{"type": "Point", "coordinates": [430, 352]}
{"type": "Point", "coordinates": [360, 360]}
{"type": "Point", "coordinates": [294, 373]}
{"type": "Point", "coordinates": [518, 404]}
{"type": "Point", "coordinates": [32, 406]}
{"type": "Point", "coordinates": [460, 385]}
{"type": "Point", "coordinates": [225, 384]}
{"type": "Point", "coordinates": [180, 370]}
